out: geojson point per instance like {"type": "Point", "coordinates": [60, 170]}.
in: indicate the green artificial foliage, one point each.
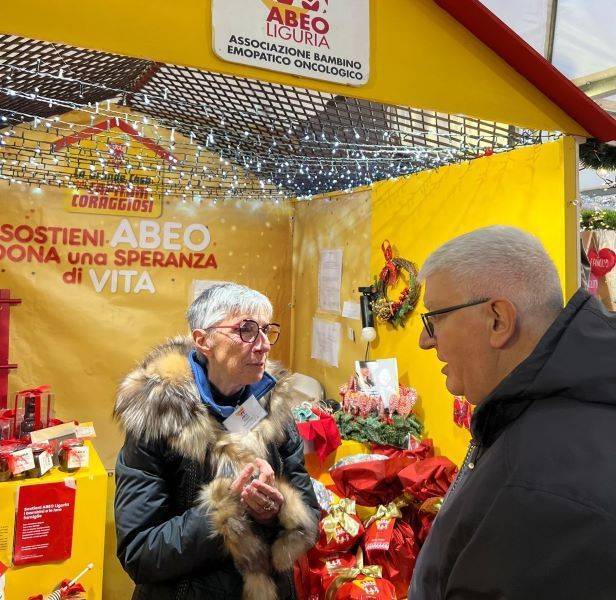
{"type": "Point", "coordinates": [598, 219]}
{"type": "Point", "coordinates": [372, 429]}
{"type": "Point", "coordinates": [597, 155]}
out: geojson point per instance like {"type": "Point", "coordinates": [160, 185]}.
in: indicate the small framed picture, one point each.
{"type": "Point", "coordinates": [378, 378]}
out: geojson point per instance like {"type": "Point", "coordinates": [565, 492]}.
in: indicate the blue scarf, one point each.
{"type": "Point", "coordinates": [258, 390]}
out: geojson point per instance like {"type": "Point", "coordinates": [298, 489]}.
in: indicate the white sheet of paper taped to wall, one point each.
{"type": "Point", "coordinates": [351, 310]}
{"type": "Point", "coordinates": [325, 341]}
{"type": "Point", "coordinates": [200, 285]}
{"type": "Point", "coordinates": [330, 277]}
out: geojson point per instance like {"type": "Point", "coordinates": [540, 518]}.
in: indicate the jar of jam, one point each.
{"type": "Point", "coordinates": [5, 470]}
{"type": "Point", "coordinates": [8, 461]}
{"type": "Point", "coordinates": [42, 460]}
{"type": "Point", "coordinates": [68, 462]}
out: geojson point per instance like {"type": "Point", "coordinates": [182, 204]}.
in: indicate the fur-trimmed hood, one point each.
{"type": "Point", "coordinates": [159, 402]}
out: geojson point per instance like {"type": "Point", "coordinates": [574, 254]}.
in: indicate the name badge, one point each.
{"type": "Point", "coordinates": [245, 417]}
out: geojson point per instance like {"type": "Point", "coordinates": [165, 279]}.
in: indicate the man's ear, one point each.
{"type": "Point", "coordinates": [503, 322]}
{"type": "Point", "coordinates": [202, 341]}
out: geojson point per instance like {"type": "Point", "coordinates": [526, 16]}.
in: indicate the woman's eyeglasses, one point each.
{"type": "Point", "coordinates": [425, 317]}
{"type": "Point", "coordinates": [249, 331]}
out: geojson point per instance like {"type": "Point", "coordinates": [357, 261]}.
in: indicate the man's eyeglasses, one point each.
{"type": "Point", "coordinates": [425, 317]}
{"type": "Point", "coordinates": [249, 331]}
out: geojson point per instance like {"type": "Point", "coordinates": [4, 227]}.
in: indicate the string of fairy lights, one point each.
{"type": "Point", "coordinates": [213, 151]}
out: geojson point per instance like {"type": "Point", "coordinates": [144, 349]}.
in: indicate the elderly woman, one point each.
{"type": "Point", "coordinates": [213, 500]}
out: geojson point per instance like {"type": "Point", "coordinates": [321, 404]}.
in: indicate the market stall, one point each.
{"type": "Point", "coordinates": [138, 165]}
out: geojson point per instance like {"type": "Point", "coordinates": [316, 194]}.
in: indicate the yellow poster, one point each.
{"type": "Point", "coordinates": [98, 291]}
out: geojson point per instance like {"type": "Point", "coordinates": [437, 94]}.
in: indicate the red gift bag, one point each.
{"type": "Point", "coordinates": [317, 572]}
{"type": "Point", "coordinates": [360, 583]}
{"type": "Point", "coordinates": [365, 588]}
{"type": "Point", "coordinates": [428, 478]}
{"type": "Point", "coordinates": [323, 432]}
{"type": "Point", "coordinates": [390, 543]}
{"type": "Point", "coordinates": [371, 483]}
{"type": "Point", "coordinates": [418, 449]}
{"type": "Point", "coordinates": [340, 530]}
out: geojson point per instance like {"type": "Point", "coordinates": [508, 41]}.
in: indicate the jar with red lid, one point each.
{"type": "Point", "coordinates": [42, 460]}
{"type": "Point", "coordinates": [68, 455]}
{"type": "Point", "coordinates": [9, 461]}
{"type": "Point", "coordinates": [5, 470]}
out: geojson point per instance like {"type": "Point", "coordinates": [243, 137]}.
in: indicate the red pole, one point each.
{"type": "Point", "coordinates": [5, 367]}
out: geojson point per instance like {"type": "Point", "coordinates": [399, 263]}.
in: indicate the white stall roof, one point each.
{"type": "Point", "coordinates": [579, 38]}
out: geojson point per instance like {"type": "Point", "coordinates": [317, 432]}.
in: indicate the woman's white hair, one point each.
{"type": "Point", "coordinates": [226, 300]}
{"type": "Point", "coordinates": [501, 261]}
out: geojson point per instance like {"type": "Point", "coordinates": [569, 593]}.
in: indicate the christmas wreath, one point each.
{"type": "Point", "coordinates": [598, 155]}
{"type": "Point", "coordinates": [395, 312]}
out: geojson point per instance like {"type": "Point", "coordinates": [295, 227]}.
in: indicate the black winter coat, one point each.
{"type": "Point", "coordinates": [532, 514]}
{"type": "Point", "coordinates": [181, 534]}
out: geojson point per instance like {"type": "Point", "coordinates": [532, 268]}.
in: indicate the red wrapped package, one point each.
{"type": "Point", "coordinates": [428, 478]}
{"type": "Point", "coordinates": [340, 530]}
{"type": "Point", "coordinates": [390, 543]}
{"type": "Point", "coordinates": [323, 432]}
{"type": "Point", "coordinates": [418, 449]}
{"type": "Point", "coordinates": [315, 572]}
{"type": "Point", "coordinates": [421, 517]}
{"type": "Point", "coordinates": [365, 588]}
{"type": "Point", "coordinates": [360, 583]}
{"type": "Point", "coordinates": [371, 483]}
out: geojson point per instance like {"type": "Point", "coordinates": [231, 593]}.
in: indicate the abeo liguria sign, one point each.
{"type": "Point", "coordinates": [320, 39]}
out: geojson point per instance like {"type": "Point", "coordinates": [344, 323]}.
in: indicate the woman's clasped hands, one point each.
{"type": "Point", "coordinates": [256, 486]}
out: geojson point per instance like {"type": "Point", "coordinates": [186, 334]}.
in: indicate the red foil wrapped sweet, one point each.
{"type": "Point", "coordinates": [428, 478]}
{"type": "Point", "coordinates": [340, 530]}
{"type": "Point", "coordinates": [390, 543]}
{"type": "Point", "coordinates": [418, 449]}
{"type": "Point", "coordinates": [365, 588]}
{"type": "Point", "coordinates": [360, 583]}
{"type": "Point", "coordinates": [315, 572]}
{"type": "Point", "coordinates": [323, 432]}
{"type": "Point", "coordinates": [371, 483]}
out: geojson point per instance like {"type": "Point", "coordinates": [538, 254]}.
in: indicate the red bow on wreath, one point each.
{"type": "Point", "coordinates": [389, 274]}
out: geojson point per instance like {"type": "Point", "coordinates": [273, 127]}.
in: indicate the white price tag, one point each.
{"type": "Point", "coordinates": [24, 461]}
{"type": "Point", "coordinates": [245, 417]}
{"type": "Point", "coordinates": [85, 430]}
{"type": "Point", "coordinates": [45, 461]}
{"type": "Point", "coordinates": [78, 457]}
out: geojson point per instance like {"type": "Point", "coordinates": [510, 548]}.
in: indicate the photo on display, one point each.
{"type": "Point", "coordinates": [378, 378]}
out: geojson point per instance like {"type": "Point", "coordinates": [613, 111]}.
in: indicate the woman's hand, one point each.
{"type": "Point", "coordinates": [261, 498]}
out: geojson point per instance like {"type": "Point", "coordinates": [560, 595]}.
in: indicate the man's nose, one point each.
{"type": "Point", "coordinates": [426, 342]}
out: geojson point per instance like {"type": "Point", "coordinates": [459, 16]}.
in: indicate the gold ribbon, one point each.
{"type": "Point", "coordinates": [349, 574]}
{"type": "Point", "coordinates": [340, 515]}
{"type": "Point", "coordinates": [431, 505]}
{"type": "Point", "coordinates": [391, 511]}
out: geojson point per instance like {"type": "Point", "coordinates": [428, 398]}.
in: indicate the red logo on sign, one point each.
{"type": "Point", "coordinates": [300, 21]}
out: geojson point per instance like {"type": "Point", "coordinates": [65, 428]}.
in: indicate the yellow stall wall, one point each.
{"type": "Point", "coordinates": [341, 221]}
{"type": "Point", "coordinates": [528, 188]}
